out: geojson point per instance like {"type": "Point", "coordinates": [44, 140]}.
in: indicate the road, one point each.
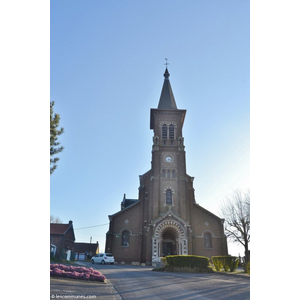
{"type": "Point", "coordinates": [136, 282]}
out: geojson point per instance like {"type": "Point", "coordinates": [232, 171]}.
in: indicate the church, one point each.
{"type": "Point", "coordinates": [165, 219]}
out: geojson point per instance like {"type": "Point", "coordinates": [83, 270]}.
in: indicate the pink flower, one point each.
{"type": "Point", "coordinates": [96, 272]}
{"type": "Point", "coordinates": [61, 270]}
{"type": "Point", "coordinates": [57, 272]}
{"type": "Point", "coordinates": [97, 277]}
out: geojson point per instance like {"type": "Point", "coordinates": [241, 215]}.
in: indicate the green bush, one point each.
{"type": "Point", "coordinates": [191, 261]}
{"type": "Point", "coordinates": [225, 262]}
{"type": "Point", "coordinates": [218, 263]}
{"type": "Point", "coordinates": [163, 260]}
{"type": "Point", "coordinates": [232, 262]}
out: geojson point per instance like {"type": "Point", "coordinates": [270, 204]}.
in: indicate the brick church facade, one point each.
{"type": "Point", "coordinates": [165, 219]}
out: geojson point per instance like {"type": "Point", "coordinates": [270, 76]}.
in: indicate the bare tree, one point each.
{"type": "Point", "coordinates": [55, 219]}
{"type": "Point", "coordinates": [235, 210]}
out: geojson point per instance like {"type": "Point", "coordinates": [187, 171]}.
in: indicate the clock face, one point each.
{"type": "Point", "coordinates": [168, 159]}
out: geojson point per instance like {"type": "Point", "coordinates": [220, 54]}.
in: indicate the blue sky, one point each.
{"type": "Point", "coordinates": [107, 63]}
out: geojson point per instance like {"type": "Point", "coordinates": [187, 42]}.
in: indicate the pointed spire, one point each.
{"type": "Point", "coordinates": [167, 100]}
{"type": "Point", "coordinates": [166, 74]}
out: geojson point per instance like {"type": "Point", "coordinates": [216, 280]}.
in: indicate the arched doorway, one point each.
{"type": "Point", "coordinates": [168, 243]}
{"type": "Point", "coordinates": [169, 237]}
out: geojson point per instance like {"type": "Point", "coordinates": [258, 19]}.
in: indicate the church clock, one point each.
{"type": "Point", "coordinates": [168, 159]}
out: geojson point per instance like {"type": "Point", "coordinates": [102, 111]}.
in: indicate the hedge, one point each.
{"type": "Point", "coordinates": [190, 261]}
{"type": "Point", "coordinates": [225, 262]}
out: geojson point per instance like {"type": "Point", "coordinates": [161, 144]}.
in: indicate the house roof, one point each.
{"type": "Point", "coordinates": [61, 229]}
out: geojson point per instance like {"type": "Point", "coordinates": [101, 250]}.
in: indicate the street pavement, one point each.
{"type": "Point", "coordinates": [137, 282]}
{"type": "Point", "coordinates": [81, 289]}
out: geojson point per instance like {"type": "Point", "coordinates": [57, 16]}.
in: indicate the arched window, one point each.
{"type": "Point", "coordinates": [207, 240]}
{"type": "Point", "coordinates": [171, 132]}
{"type": "Point", "coordinates": [165, 131]}
{"type": "Point", "coordinates": [169, 197]}
{"type": "Point", "coordinates": [125, 238]}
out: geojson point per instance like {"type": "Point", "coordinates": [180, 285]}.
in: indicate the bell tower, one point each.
{"type": "Point", "coordinates": [168, 156]}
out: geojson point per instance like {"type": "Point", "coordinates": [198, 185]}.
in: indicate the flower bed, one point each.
{"type": "Point", "coordinates": [59, 270]}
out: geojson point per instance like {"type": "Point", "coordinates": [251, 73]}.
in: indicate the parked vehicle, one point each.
{"type": "Point", "coordinates": [103, 258]}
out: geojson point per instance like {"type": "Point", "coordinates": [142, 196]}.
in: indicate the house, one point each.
{"type": "Point", "coordinates": [85, 250]}
{"type": "Point", "coordinates": [62, 238]}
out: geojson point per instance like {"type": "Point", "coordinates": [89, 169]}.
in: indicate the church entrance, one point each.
{"type": "Point", "coordinates": [168, 243]}
{"type": "Point", "coordinates": [169, 239]}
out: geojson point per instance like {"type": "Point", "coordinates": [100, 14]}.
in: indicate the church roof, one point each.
{"type": "Point", "coordinates": [125, 209]}
{"type": "Point", "coordinates": [208, 212]}
{"type": "Point", "coordinates": [167, 100]}
{"type": "Point", "coordinates": [129, 202]}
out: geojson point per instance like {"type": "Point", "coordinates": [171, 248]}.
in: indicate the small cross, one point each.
{"type": "Point", "coordinates": [166, 64]}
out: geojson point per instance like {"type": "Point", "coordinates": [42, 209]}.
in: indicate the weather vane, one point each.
{"type": "Point", "coordinates": [166, 64]}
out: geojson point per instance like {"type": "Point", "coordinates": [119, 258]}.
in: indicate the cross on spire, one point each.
{"type": "Point", "coordinates": [166, 64]}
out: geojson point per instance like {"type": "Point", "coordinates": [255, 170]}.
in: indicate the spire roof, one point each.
{"type": "Point", "coordinates": [167, 100]}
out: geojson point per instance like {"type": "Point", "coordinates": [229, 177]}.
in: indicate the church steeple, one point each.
{"type": "Point", "coordinates": [166, 105]}
{"type": "Point", "coordinates": [167, 100]}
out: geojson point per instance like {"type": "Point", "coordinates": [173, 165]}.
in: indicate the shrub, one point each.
{"type": "Point", "coordinates": [191, 261]}
{"type": "Point", "coordinates": [225, 262]}
{"type": "Point", "coordinates": [218, 263]}
{"type": "Point", "coordinates": [60, 270]}
{"type": "Point", "coordinates": [163, 261]}
{"type": "Point", "coordinates": [86, 276]}
{"type": "Point", "coordinates": [233, 263]}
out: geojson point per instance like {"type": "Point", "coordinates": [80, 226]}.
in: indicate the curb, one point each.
{"type": "Point", "coordinates": [243, 275]}
{"type": "Point", "coordinates": [114, 292]}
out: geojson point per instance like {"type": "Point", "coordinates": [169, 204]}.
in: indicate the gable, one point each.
{"type": "Point", "coordinates": [58, 228]}
{"type": "Point", "coordinates": [63, 230]}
